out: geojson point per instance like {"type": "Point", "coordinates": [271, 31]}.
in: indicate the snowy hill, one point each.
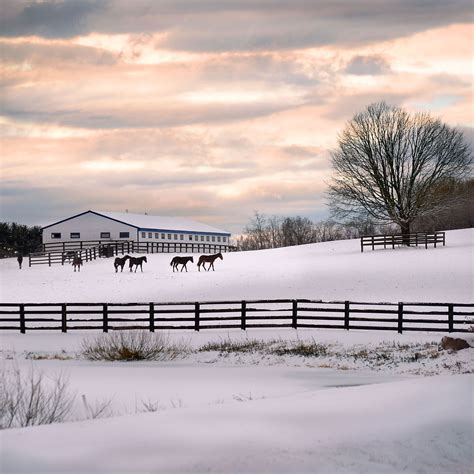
{"type": "Point", "coordinates": [328, 271]}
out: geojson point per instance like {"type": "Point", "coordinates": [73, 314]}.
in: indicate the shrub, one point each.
{"type": "Point", "coordinates": [132, 346]}
{"type": "Point", "coordinates": [27, 400]}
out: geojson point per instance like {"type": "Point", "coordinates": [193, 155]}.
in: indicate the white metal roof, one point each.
{"type": "Point", "coordinates": [162, 222]}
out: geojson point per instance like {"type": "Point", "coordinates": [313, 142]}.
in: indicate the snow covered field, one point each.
{"type": "Point", "coordinates": [365, 404]}
{"type": "Point", "coordinates": [327, 271]}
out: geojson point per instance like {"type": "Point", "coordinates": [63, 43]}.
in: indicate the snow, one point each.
{"type": "Point", "coordinates": [422, 425]}
{"type": "Point", "coordinates": [327, 271]}
{"type": "Point", "coordinates": [256, 412]}
{"type": "Point", "coordinates": [165, 223]}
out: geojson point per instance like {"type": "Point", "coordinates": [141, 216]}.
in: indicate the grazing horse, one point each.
{"type": "Point", "coordinates": [20, 260]}
{"type": "Point", "coordinates": [77, 262]}
{"type": "Point", "coordinates": [208, 259]}
{"type": "Point", "coordinates": [68, 256]}
{"type": "Point", "coordinates": [181, 261]}
{"type": "Point", "coordinates": [137, 261]}
{"type": "Point", "coordinates": [120, 262]}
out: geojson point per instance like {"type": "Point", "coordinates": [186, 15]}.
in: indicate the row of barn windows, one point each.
{"type": "Point", "coordinates": [126, 235]}
{"type": "Point", "coordinates": [77, 235]}
{"type": "Point", "coordinates": [197, 238]}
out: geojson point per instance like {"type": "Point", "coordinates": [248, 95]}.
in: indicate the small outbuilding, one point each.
{"type": "Point", "coordinates": [117, 226]}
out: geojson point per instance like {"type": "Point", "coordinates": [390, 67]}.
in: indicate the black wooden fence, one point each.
{"type": "Point", "coordinates": [53, 253]}
{"type": "Point", "coordinates": [132, 246]}
{"type": "Point", "coordinates": [277, 313]}
{"type": "Point", "coordinates": [413, 240]}
{"type": "Point", "coordinates": [52, 258]}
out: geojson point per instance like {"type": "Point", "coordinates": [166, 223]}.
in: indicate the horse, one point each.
{"type": "Point", "coordinates": [137, 261]}
{"type": "Point", "coordinates": [208, 259]}
{"type": "Point", "coordinates": [120, 262]}
{"type": "Point", "coordinates": [181, 261]}
{"type": "Point", "coordinates": [68, 256]}
{"type": "Point", "coordinates": [77, 262]}
{"type": "Point", "coordinates": [20, 260]}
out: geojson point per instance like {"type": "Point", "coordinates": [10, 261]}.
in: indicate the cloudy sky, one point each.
{"type": "Point", "coordinates": [209, 109]}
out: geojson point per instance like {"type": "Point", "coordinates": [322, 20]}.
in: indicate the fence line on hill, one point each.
{"type": "Point", "coordinates": [56, 253]}
{"type": "Point", "coordinates": [414, 240]}
{"type": "Point", "coordinates": [247, 314]}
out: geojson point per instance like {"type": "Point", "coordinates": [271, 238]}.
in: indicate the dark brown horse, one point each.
{"type": "Point", "coordinates": [77, 262]}
{"type": "Point", "coordinates": [181, 261]}
{"type": "Point", "coordinates": [120, 262]}
{"type": "Point", "coordinates": [68, 256]}
{"type": "Point", "coordinates": [137, 261]}
{"type": "Point", "coordinates": [20, 260]}
{"type": "Point", "coordinates": [208, 259]}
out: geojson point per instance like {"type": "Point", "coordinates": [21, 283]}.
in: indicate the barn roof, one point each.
{"type": "Point", "coordinates": [147, 222]}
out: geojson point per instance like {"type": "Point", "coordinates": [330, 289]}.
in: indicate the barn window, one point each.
{"type": "Point", "coordinates": [163, 236]}
{"type": "Point", "coordinates": [56, 235]}
{"type": "Point", "coordinates": [202, 238]}
{"type": "Point", "coordinates": [124, 235]}
{"type": "Point", "coordinates": [169, 236]}
{"type": "Point", "coordinates": [150, 235]}
{"type": "Point", "coordinates": [157, 236]}
{"type": "Point", "coordinates": [219, 238]}
{"type": "Point", "coordinates": [105, 235]}
{"type": "Point", "coordinates": [223, 239]}
{"type": "Point", "coordinates": [143, 235]}
{"type": "Point", "coordinates": [181, 237]}
{"type": "Point", "coordinates": [75, 235]}
{"type": "Point", "coordinates": [207, 238]}
{"type": "Point", "coordinates": [190, 237]}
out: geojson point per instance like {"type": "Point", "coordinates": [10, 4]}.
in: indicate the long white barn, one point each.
{"type": "Point", "coordinates": [94, 226]}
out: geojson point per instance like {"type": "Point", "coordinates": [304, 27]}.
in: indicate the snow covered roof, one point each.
{"type": "Point", "coordinates": [143, 221]}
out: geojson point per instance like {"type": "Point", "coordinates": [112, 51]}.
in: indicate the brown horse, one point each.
{"type": "Point", "coordinates": [77, 262]}
{"type": "Point", "coordinates": [137, 261]}
{"type": "Point", "coordinates": [68, 256]}
{"type": "Point", "coordinates": [181, 261]}
{"type": "Point", "coordinates": [208, 259]}
{"type": "Point", "coordinates": [120, 262]}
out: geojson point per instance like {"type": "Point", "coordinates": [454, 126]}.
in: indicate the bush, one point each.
{"type": "Point", "coordinates": [131, 346]}
{"type": "Point", "coordinates": [27, 400]}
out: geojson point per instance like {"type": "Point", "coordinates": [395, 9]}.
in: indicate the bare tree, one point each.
{"type": "Point", "coordinates": [389, 164]}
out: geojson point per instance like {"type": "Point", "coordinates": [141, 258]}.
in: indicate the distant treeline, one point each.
{"type": "Point", "coordinates": [18, 239]}
{"type": "Point", "coordinates": [264, 232]}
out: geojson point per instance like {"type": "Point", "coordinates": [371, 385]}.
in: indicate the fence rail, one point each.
{"type": "Point", "coordinates": [276, 313]}
{"type": "Point", "coordinates": [52, 258]}
{"type": "Point", "coordinates": [56, 253]}
{"type": "Point", "coordinates": [144, 247]}
{"type": "Point", "coordinates": [414, 240]}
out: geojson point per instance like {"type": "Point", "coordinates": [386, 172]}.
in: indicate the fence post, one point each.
{"type": "Point", "coordinates": [426, 241]}
{"type": "Point", "coordinates": [152, 317]}
{"type": "Point", "coordinates": [450, 318]}
{"type": "Point", "coordinates": [362, 244]}
{"type": "Point", "coordinates": [294, 314]}
{"type": "Point", "coordinates": [29, 260]}
{"type": "Point", "coordinates": [22, 319]}
{"type": "Point", "coordinates": [196, 317]}
{"type": "Point", "coordinates": [105, 318]}
{"type": "Point", "coordinates": [400, 318]}
{"type": "Point", "coordinates": [49, 259]}
{"type": "Point", "coordinates": [346, 315]}
{"type": "Point", "coordinates": [243, 316]}
{"type": "Point", "coordinates": [63, 318]}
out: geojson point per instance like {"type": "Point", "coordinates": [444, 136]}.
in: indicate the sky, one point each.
{"type": "Point", "coordinates": [209, 109]}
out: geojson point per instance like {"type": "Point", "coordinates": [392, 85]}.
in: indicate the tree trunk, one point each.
{"type": "Point", "coordinates": [405, 228]}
